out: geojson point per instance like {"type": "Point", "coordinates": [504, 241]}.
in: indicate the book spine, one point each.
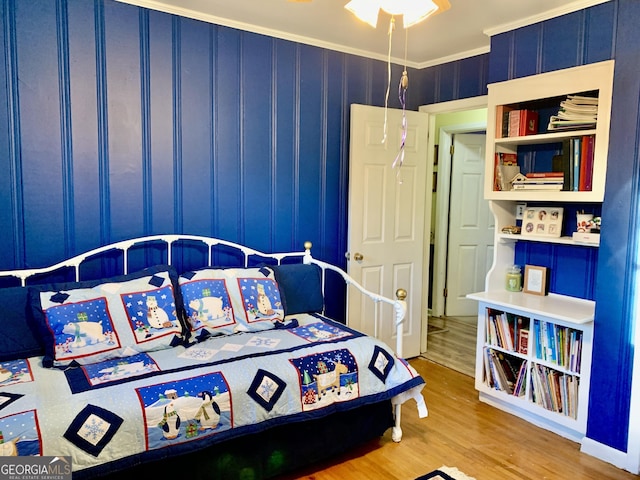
{"type": "Point", "coordinates": [576, 164]}
{"type": "Point", "coordinates": [567, 146]}
{"type": "Point", "coordinates": [589, 169]}
{"type": "Point", "coordinates": [584, 149]}
{"type": "Point", "coordinates": [544, 175]}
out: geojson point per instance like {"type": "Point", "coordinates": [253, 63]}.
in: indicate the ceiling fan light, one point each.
{"type": "Point", "coordinates": [416, 12]}
{"type": "Point", "coordinates": [365, 10]}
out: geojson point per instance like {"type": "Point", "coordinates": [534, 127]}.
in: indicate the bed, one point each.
{"type": "Point", "coordinates": [194, 353]}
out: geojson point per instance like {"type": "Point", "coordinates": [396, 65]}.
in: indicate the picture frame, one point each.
{"type": "Point", "coordinates": [536, 280]}
{"type": "Point", "coordinates": [542, 221]}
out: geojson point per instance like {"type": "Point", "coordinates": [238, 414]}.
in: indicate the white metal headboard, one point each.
{"type": "Point", "coordinates": [399, 304]}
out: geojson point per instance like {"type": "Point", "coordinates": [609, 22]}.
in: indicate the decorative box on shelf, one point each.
{"type": "Point", "coordinates": [586, 237]}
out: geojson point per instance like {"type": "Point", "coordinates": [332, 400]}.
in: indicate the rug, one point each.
{"type": "Point", "coordinates": [445, 473]}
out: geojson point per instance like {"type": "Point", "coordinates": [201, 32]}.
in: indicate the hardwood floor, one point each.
{"type": "Point", "coordinates": [460, 431]}
{"type": "Point", "coordinates": [451, 342]}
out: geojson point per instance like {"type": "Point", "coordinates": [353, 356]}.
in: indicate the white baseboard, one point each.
{"type": "Point", "coordinates": [608, 454]}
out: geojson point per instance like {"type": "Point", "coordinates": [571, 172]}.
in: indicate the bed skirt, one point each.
{"type": "Point", "coordinates": [276, 451]}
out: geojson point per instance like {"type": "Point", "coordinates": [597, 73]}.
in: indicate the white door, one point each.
{"type": "Point", "coordinates": [386, 220]}
{"type": "Point", "coordinates": [471, 225]}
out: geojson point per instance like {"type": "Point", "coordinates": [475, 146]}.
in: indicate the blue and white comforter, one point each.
{"type": "Point", "coordinates": [106, 415]}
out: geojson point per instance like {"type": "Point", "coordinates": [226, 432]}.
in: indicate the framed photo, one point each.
{"type": "Point", "coordinates": [535, 280]}
{"type": "Point", "coordinates": [542, 221]}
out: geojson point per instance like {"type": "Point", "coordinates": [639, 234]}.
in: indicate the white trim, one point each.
{"type": "Point", "coordinates": [196, 15]}
{"type": "Point", "coordinates": [556, 12]}
{"type": "Point", "coordinates": [248, 27]}
{"type": "Point", "coordinates": [452, 58]}
{"type": "Point", "coordinates": [607, 454]}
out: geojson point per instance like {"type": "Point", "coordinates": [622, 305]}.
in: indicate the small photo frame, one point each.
{"type": "Point", "coordinates": [542, 221]}
{"type": "Point", "coordinates": [536, 280]}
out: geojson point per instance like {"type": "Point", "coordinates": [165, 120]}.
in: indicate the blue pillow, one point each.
{"type": "Point", "coordinates": [17, 339]}
{"type": "Point", "coordinates": [300, 288]}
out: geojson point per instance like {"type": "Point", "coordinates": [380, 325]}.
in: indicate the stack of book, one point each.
{"type": "Point", "coordinates": [514, 122]}
{"type": "Point", "coordinates": [575, 112]}
{"type": "Point", "coordinates": [576, 161]}
{"type": "Point", "coordinates": [539, 181]}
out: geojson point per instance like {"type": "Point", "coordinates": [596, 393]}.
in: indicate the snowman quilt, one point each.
{"type": "Point", "coordinates": [118, 412]}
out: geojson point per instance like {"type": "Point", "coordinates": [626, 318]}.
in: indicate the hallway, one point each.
{"type": "Point", "coordinates": [451, 342]}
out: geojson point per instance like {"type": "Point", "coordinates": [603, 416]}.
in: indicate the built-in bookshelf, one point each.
{"type": "Point", "coordinates": [533, 354]}
{"type": "Point", "coordinates": [535, 366]}
{"type": "Point", "coordinates": [577, 148]}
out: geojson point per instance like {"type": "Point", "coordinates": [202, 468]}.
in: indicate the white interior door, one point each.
{"type": "Point", "coordinates": [386, 220]}
{"type": "Point", "coordinates": [471, 225]}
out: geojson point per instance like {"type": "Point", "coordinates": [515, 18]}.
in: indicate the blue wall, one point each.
{"type": "Point", "coordinates": [122, 122]}
{"type": "Point", "coordinates": [119, 121]}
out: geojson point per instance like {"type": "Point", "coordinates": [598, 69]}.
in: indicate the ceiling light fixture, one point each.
{"type": "Point", "coordinates": [412, 11]}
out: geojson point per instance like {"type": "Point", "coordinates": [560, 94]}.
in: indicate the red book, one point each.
{"type": "Point", "coordinates": [588, 183]}
{"type": "Point", "coordinates": [544, 174]}
{"type": "Point", "coordinates": [528, 123]}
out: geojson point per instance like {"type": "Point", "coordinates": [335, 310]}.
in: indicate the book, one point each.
{"type": "Point", "coordinates": [502, 120]}
{"type": "Point", "coordinates": [538, 180]}
{"type": "Point", "coordinates": [528, 123]}
{"type": "Point", "coordinates": [555, 174]}
{"type": "Point", "coordinates": [523, 341]}
{"type": "Point", "coordinates": [574, 113]}
{"type": "Point", "coordinates": [539, 186]}
{"type": "Point", "coordinates": [584, 151]}
{"type": "Point", "coordinates": [514, 123]}
{"type": "Point", "coordinates": [582, 99]}
{"type": "Point", "coordinates": [575, 164]}
{"type": "Point", "coordinates": [588, 182]}
{"type": "Point", "coordinates": [522, 122]}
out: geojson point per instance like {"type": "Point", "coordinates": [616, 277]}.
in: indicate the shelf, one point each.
{"type": "Point", "coordinates": [510, 237]}
{"type": "Point", "coordinates": [538, 149]}
{"type": "Point", "coordinates": [546, 196]}
{"type": "Point", "coordinates": [550, 137]}
{"type": "Point", "coordinates": [556, 367]}
{"type": "Point", "coordinates": [570, 310]}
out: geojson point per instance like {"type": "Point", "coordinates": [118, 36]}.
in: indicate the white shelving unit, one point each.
{"type": "Point", "coordinates": [558, 311]}
{"type": "Point", "coordinates": [576, 316]}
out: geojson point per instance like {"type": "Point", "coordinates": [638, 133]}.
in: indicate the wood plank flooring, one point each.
{"type": "Point", "coordinates": [451, 342]}
{"type": "Point", "coordinates": [462, 432]}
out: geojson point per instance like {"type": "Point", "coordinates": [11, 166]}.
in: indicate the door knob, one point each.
{"type": "Point", "coordinates": [358, 257]}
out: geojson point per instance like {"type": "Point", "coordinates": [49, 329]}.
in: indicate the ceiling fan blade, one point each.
{"type": "Point", "coordinates": [443, 5]}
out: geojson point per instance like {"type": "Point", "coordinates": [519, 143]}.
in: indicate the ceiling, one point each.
{"type": "Point", "coordinates": [462, 31]}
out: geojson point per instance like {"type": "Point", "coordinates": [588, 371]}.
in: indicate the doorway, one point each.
{"type": "Point", "coordinates": [445, 121]}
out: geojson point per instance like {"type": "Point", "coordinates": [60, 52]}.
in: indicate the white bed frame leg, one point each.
{"type": "Point", "coordinates": [396, 431]}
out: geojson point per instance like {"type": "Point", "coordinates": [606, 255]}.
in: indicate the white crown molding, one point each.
{"type": "Point", "coordinates": [452, 58]}
{"type": "Point", "coordinates": [184, 12]}
{"type": "Point", "coordinates": [556, 12]}
{"type": "Point", "coordinates": [196, 15]}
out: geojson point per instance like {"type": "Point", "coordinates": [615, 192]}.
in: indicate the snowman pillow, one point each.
{"type": "Point", "coordinates": [109, 320]}
{"type": "Point", "coordinates": [231, 300]}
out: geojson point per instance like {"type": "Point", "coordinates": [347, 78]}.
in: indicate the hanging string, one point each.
{"type": "Point", "coordinates": [402, 96]}
{"type": "Point", "coordinates": [392, 26]}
